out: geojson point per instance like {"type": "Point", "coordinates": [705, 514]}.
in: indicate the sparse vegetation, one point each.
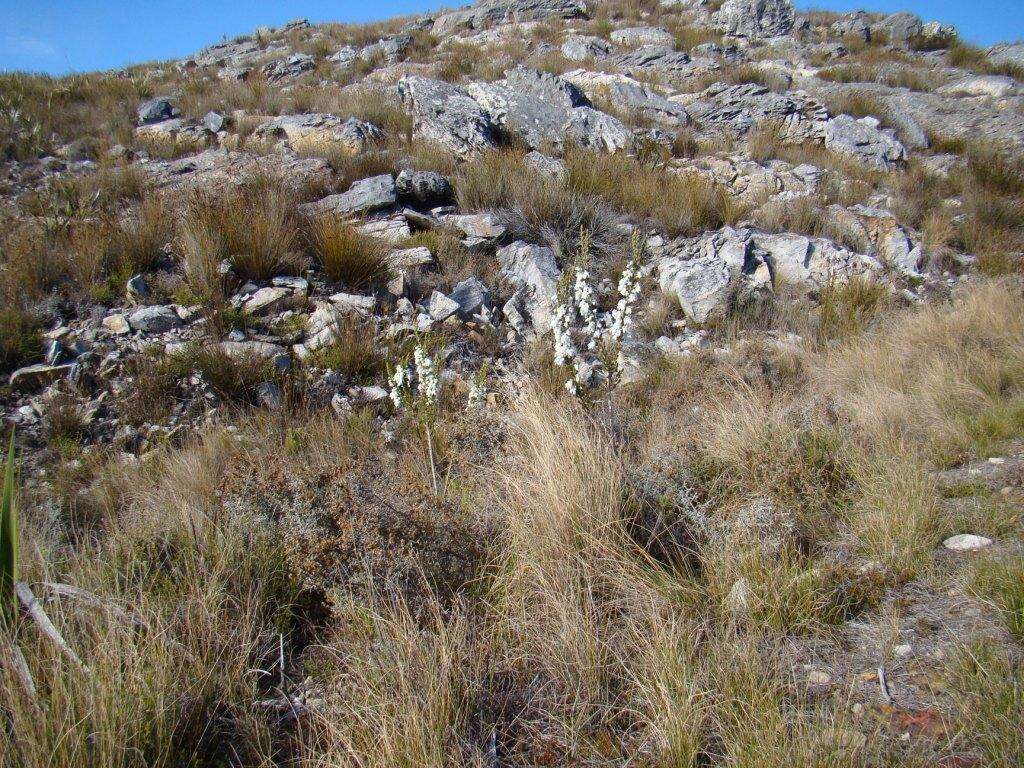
{"type": "Point", "coordinates": [271, 526]}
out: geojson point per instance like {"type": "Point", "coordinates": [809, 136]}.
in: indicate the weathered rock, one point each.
{"type": "Point", "coordinates": [755, 19]}
{"type": "Point", "coordinates": [364, 196]}
{"type": "Point", "coordinates": [898, 28]}
{"type": "Point", "coordinates": [288, 68]}
{"type": "Point", "coordinates": [423, 188]}
{"type": "Point", "coordinates": [992, 86]}
{"type": "Point", "coordinates": [266, 300]}
{"type": "Point", "coordinates": [471, 295]}
{"type": "Point", "coordinates": [594, 129]}
{"type": "Point", "coordinates": [410, 257]}
{"type": "Point", "coordinates": [251, 349]}
{"type": "Point", "coordinates": [1007, 55]}
{"type": "Point", "coordinates": [216, 168]}
{"type": "Point", "coordinates": [661, 59]}
{"type": "Point", "coordinates": [269, 395]}
{"type": "Point", "coordinates": [853, 25]}
{"type": "Point", "coordinates": [634, 37]}
{"type": "Point", "coordinates": [117, 324]}
{"type": "Point", "coordinates": [177, 131]}
{"type": "Point", "coordinates": [534, 271]}
{"type": "Point", "coordinates": [354, 136]}
{"type": "Point", "coordinates": [345, 57]}
{"type": "Point", "coordinates": [700, 284]}
{"type": "Point", "coordinates": [966, 542]}
{"type": "Point", "coordinates": [136, 288]}
{"type": "Point", "coordinates": [156, 110]}
{"type": "Point", "coordinates": [445, 114]}
{"type": "Point", "coordinates": [391, 50]}
{"type": "Point", "coordinates": [154, 319]}
{"type": "Point", "coordinates": [535, 106]}
{"type": "Point", "coordinates": [584, 47]}
{"type": "Point", "coordinates": [700, 271]}
{"type": "Point", "coordinates": [736, 109]}
{"type": "Point", "coordinates": [495, 12]}
{"type": "Point", "coordinates": [484, 226]}
{"type": "Point", "coordinates": [629, 95]}
{"type": "Point", "coordinates": [865, 141]}
{"type": "Point", "coordinates": [213, 121]}
{"type": "Point", "coordinates": [354, 302]}
{"type": "Point", "coordinates": [392, 229]}
{"type": "Point", "coordinates": [550, 167]}
{"type": "Point", "coordinates": [441, 307]}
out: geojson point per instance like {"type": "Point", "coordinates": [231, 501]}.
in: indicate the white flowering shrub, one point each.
{"type": "Point", "coordinates": [621, 320]}
{"type": "Point", "coordinates": [584, 340]}
{"type": "Point", "coordinates": [417, 385]}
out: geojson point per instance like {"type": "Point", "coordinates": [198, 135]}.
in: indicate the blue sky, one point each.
{"type": "Point", "coordinates": [60, 36]}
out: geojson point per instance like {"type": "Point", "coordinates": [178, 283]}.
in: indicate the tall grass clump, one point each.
{"type": "Point", "coordinates": [253, 226]}
{"type": "Point", "coordinates": [345, 255]}
{"type": "Point", "coordinates": [187, 601]}
{"type": "Point", "coordinates": [678, 203]}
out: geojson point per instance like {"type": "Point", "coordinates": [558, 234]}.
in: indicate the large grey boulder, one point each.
{"type": "Point", "coordinates": [154, 319]}
{"type": "Point", "coordinates": [735, 109]}
{"type": "Point", "coordinates": [494, 12]}
{"type": "Point", "coordinates": [445, 114]}
{"type": "Point", "coordinates": [288, 68]}
{"type": "Point", "coordinates": [629, 95]}
{"type": "Point", "coordinates": [364, 196]}
{"type": "Point", "coordinates": [596, 130]}
{"type": "Point", "coordinates": [389, 49]}
{"type": "Point", "coordinates": [533, 105]}
{"type": "Point", "coordinates": [441, 307]}
{"type": "Point", "coordinates": [423, 188]}
{"type": "Point", "coordinates": [802, 261]}
{"type": "Point", "coordinates": [532, 269]}
{"type": "Point", "coordinates": [898, 28]}
{"type": "Point", "coordinates": [1007, 55]}
{"type": "Point", "coordinates": [544, 109]}
{"type": "Point", "coordinates": [990, 86]}
{"type": "Point", "coordinates": [852, 25]}
{"type": "Point", "coordinates": [662, 59]}
{"type": "Point", "coordinates": [633, 37]}
{"type": "Point", "coordinates": [471, 295]}
{"type": "Point", "coordinates": [352, 135]}
{"type": "Point", "coordinates": [755, 19]}
{"type": "Point", "coordinates": [700, 271]}
{"type": "Point", "coordinates": [698, 274]}
{"type": "Point", "coordinates": [583, 47]}
{"type": "Point", "coordinates": [865, 141]}
{"type": "Point", "coordinates": [156, 110]}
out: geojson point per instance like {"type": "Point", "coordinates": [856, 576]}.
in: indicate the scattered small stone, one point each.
{"type": "Point", "coordinates": [966, 542]}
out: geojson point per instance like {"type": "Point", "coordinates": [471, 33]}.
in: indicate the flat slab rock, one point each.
{"type": "Point", "coordinates": [217, 167]}
{"type": "Point", "coordinates": [364, 196]}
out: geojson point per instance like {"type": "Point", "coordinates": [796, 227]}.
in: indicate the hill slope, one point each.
{"type": "Point", "coordinates": [544, 382]}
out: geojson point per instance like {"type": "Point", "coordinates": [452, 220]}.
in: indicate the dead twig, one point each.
{"type": "Point", "coordinates": [38, 615]}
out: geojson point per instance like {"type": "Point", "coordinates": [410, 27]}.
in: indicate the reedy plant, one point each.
{"type": "Point", "coordinates": [8, 539]}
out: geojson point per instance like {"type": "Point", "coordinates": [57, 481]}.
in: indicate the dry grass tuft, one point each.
{"type": "Point", "coordinates": [20, 340]}
{"type": "Point", "coordinates": [253, 225]}
{"type": "Point", "coordinates": [679, 203]}
{"type": "Point", "coordinates": [345, 255]}
{"type": "Point", "coordinates": [943, 380]}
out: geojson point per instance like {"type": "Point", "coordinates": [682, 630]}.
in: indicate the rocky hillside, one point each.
{"type": "Point", "coordinates": [543, 382]}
